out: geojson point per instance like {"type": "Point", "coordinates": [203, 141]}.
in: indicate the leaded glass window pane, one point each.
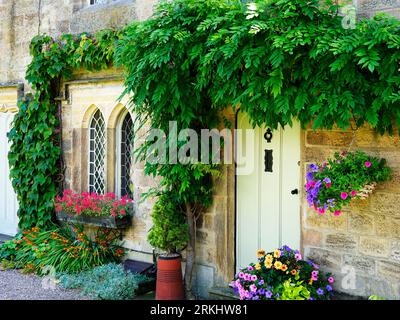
{"type": "Point", "coordinates": [127, 137]}
{"type": "Point", "coordinates": [97, 154]}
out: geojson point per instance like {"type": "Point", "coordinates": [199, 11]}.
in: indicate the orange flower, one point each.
{"type": "Point", "coordinates": [294, 272]}
{"type": "Point", "coordinates": [284, 268]}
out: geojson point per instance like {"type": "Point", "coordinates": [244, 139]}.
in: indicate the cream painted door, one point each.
{"type": "Point", "coordinates": [268, 204]}
{"type": "Point", "coordinates": [8, 199]}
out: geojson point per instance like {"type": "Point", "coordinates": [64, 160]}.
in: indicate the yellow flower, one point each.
{"type": "Point", "coordinates": [268, 264]}
{"type": "Point", "coordinates": [284, 268]}
{"type": "Point", "coordinates": [278, 265]}
{"type": "Point", "coordinates": [277, 253]}
{"type": "Point", "coordinates": [269, 258]}
{"type": "Point", "coordinates": [260, 253]}
{"type": "Point", "coordinates": [258, 266]}
{"type": "Point", "coordinates": [311, 282]}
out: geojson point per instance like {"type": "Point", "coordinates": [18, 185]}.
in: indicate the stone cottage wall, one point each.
{"type": "Point", "coordinates": [366, 238]}
{"type": "Point", "coordinates": [21, 20]}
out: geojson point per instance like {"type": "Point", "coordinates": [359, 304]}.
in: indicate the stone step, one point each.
{"type": "Point", "coordinates": [221, 293]}
{"type": "Point", "coordinates": [4, 238]}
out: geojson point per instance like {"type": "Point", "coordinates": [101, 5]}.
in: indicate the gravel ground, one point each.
{"type": "Point", "coordinates": [17, 286]}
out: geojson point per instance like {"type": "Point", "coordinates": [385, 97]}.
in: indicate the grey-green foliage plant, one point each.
{"type": "Point", "coordinates": [108, 282]}
{"type": "Point", "coordinates": [278, 60]}
{"type": "Point", "coordinates": [170, 231]}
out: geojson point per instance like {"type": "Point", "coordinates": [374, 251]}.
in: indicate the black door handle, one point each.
{"type": "Point", "coordinates": [295, 191]}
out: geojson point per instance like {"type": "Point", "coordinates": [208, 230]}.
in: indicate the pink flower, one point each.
{"type": "Point", "coordinates": [59, 208]}
{"type": "Point", "coordinates": [368, 164]}
{"type": "Point", "coordinates": [337, 213]}
{"type": "Point", "coordinates": [253, 288]}
{"type": "Point", "coordinates": [344, 195]}
{"type": "Point", "coordinates": [321, 211]}
{"type": "Point", "coordinates": [298, 256]}
{"type": "Point", "coordinates": [253, 278]}
{"type": "Point", "coordinates": [353, 193]}
{"type": "Point", "coordinates": [241, 275]}
{"type": "Point", "coordinates": [123, 212]}
{"type": "Point", "coordinates": [331, 280]}
{"type": "Point", "coordinates": [328, 185]}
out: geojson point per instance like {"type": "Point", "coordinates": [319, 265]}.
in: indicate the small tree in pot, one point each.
{"type": "Point", "coordinates": [170, 234]}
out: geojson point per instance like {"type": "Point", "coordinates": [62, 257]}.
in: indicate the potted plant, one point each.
{"type": "Point", "coordinates": [347, 176]}
{"type": "Point", "coordinates": [92, 209]}
{"type": "Point", "coordinates": [170, 234]}
{"type": "Point", "coordinates": [283, 275]}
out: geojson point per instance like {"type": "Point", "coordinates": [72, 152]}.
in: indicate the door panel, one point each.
{"type": "Point", "coordinates": [8, 200]}
{"type": "Point", "coordinates": [268, 214]}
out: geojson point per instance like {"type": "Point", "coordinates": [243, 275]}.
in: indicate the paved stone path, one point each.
{"type": "Point", "coordinates": [17, 286]}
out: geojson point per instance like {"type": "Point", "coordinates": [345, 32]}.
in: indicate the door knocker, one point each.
{"type": "Point", "coordinates": [268, 135]}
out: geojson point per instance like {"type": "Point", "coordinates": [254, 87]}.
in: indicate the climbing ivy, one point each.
{"type": "Point", "coordinates": [35, 152]}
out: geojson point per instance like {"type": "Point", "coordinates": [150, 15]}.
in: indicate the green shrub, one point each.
{"type": "Point", "coordinates": [170, 230]}
{"type": "Point", "coordinates": [65, 250]}
{"type": "Point", "coordinates": [108, 282]}
{"type": "Point", "coordinates": [8, 249]}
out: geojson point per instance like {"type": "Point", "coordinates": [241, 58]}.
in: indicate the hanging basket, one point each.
{"type": "Point", "coordinates": [348, 176]}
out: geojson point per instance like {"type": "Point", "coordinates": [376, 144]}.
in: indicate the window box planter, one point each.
{"type": "Point", "coordinates": [104, 222]}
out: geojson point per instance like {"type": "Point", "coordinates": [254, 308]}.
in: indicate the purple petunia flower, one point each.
{"type": "Point", "coordinates": [261, 282]}
{"type": "Point", "coordinates": [309, 176]}
{"type": "Point", "coordinates": [268, 294]}
{"type": "Point", "coordinates": [320, 292]}
{"type": "Point", "coordinates": [329, 288]}
{"type": "Point", "coordinates": [311, 298]}
{"type": "Point", "coordinates": [261, 292]}
{"type": "Point", "coordinates": [327, 180]}
{"type": "Point", "coordinates": [314, 168]}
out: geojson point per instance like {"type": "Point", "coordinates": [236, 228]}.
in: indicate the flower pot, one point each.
{"type": "Point", "coordinates": [169, 278]}
{"type": "Point", "coordinates": [104, 222]}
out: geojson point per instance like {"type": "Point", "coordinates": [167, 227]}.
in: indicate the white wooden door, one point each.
{"type": "Point", "coordinates": [267, 197]}
{"type": "Point", "coordinates": [8, 199]}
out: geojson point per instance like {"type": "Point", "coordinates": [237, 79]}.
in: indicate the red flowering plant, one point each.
{"type": "Point", "coordinates": [350, 175]}
{"type": "Point", "coordinates": [93, 205]}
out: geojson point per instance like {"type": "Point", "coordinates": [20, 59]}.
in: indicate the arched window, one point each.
{"type": "Point", "coordinates": [97, 154]}
{"type": "Point", "coordinates": [125, 141]}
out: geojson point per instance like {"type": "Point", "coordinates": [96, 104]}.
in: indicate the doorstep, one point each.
{"type": "Point", "coordinates": [4, 238]}
{"type": "Point", "coordinates": [222, 293]}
